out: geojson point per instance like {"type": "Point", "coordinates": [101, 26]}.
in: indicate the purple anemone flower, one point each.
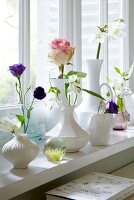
{"type": "Point", "coordinates": [111, 107]}
{"type": "Point", "coordinates": [39, 93]}
{"type": "Point", "coordinates": [17, 70]}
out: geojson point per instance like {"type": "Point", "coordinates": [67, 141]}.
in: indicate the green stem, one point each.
{"type": "Point", "coordinates": [61, 70]}
{"type": "Point", "coordinates": [120, 103]}
{"type": "Point", "coordinates": [75, 99]}
{"type": "Point", "coordinates": [21, 101]}
{"type": "Point", "coordinates": [28, 119]}
{"type": "Point", "coordinates": [69, 99]}
{"type": "Point", "coordinates": [98, 51]}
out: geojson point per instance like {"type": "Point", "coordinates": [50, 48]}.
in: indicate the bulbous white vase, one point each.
{"type": "Point", "coordinates": [69, 131]}
{"type": "Point", "coordinates": [20, 151]}
{"type": "Point", "coordinates": [99, 128]}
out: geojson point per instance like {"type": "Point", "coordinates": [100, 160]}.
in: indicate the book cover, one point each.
{"type": "Point", "coordinates": [94, 186]}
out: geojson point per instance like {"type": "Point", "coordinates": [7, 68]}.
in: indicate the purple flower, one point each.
{"type": "Point", "coordinates": [111, 107]}
{"type": "Point", "coordinates": [39, 93]}
{"type": "Point", "coordinates": [17, 70]}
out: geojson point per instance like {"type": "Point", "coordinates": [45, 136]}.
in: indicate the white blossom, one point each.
{"type": "Point", "coordinates": [72, 78]}
{"type": "Point", "coordinates": [74, 88]}
{"type": "Point", "coordinates": [116, 29]}
{"type": "Point", "coordinates": [9, 125]}
{"type": "Point", "coordinates": [100, 36]}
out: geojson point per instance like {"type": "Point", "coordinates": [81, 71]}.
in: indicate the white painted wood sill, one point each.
{"type": "Point", "coordinates": [15, 182]}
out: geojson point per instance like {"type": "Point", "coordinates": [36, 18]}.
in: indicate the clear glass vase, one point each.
{"type": "Point", "coordinates": [36, 126]}
{"type": "Point", "coordinates": [121, 120]}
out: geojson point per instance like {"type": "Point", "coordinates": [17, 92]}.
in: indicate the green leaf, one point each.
{"type": "Point", "coordinates": [21, 118]}
{"type": "Point", "coordinates": [93, 94]}
{"type": "Point", "coordinates": [129, 73]}
{"type": "Point", "coordinates": [108, 94]}
{"type": "Point", "coordinates": [118, 70]}
{"type": "Point", "coordinates": [70, 73]}
{"type": "Point", "coordinates": [81, 74]}
{"type": "Point", "coordinates": [66, 89]}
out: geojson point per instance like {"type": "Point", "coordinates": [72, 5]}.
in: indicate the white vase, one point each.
{"type": "Point", "coordinates": [20, 151]}
{"type": "Point", "coordinates": [129, 105]}
{"type": "Point", "coordinates": [60, 84]}
{"type": "Point", "coordinates": [69, 131]}
{"type": "Point", "coordinates": [99, 128]}
{"type": "Point", "coordinates": [90, 103]}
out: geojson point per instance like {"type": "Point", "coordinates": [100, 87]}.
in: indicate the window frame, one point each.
{"type": "Point", "coordinates": [70, 27]}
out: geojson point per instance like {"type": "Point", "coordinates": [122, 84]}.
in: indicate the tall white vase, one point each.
{"type": "Point", "coordinates": [69, 131]}
{"type": "Point", "coordinates": [20, 151]}
{"type": "Point", "coordinates": [90, 103]}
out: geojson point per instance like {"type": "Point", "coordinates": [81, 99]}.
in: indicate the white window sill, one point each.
{"type": "Point", "coordinates": [15, 182]}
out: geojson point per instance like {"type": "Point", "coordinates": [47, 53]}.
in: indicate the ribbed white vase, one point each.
{"type": "Point", "coordinates": [99, 128]}
{"type": "Point", "coordinates": [69, 131]}
{"type": "Point", "coordinates": [20, 151]}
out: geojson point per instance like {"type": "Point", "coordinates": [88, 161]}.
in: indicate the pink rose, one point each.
{"type": "Point", "coordinates": [60, 43]}
{"type": "Point", "coordinates": [61, 51]}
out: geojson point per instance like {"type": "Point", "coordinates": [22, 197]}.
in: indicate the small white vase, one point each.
{"type": "Point", "coordinates": [99, 128]}
{"type": "Point", "coordinates": [20, 151]}
{"type": "Point", "coordinates": [69, 131]}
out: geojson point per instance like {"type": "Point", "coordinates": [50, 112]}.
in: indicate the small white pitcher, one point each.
{"type": "Point", "coordinates": [99, 128]}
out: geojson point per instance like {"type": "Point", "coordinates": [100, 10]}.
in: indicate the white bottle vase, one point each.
{"type": "Point", "coordinates": [99, 128]}
{"type": "Point", "coordinates": [20, 151]}
{"type": "Point", "coordinates": [89, 103]}
{"type": "Point", "coordinates": [69, 131]}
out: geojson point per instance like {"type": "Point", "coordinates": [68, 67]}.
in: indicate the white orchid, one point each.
{"type": "Point", "coordinates": [100, 36]}
{"type": "Point", "coordinates": [10, 125]}
{"type": "Point", "coordinates": [112, 30]}
{"type": "Point", "coordinates": [116, 29]}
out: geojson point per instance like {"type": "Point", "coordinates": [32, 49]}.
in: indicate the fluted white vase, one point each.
{"type": "Point", "coordinates": [69, 131]}
{"type": "Point", "coordinates": [20, 151]}
{"type": "Point", "coordinates": [99, 128]}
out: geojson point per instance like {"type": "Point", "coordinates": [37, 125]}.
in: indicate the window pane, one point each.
{"type": "Point", "coordinates": [9, 51]}
{"type": "Point", "coordinates": [90, 20]}
{"type": "Point", "coordinates": [114, 47]}
{"type": "Point", "coordinates": [44, 28]}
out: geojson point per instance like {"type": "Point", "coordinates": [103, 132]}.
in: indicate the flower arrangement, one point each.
{"type": "Point", "coordinates": [113, 30]}
{"type": "Point", "coordinates": [61, 53]}
{"type": "Point", "coordinates": [120, 86]}
{"type": "Point", "coordinates": [23, 119]}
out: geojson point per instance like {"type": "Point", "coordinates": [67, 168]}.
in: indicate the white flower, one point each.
{"type": "Point", "coordinates": [100, 36]}
{"type": "Point", "coordinates": [97, 37]}
{"type": "Point", "coordinates": [116, 29]}
{"type": "Point", "coordinates": [120, 87]}
{"type": "Point", "coordinates": [74, 88]}
{"type": "Point", "coordinates": [10, 125]}
{"type": "Point", "coordinates": [72, 78]}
